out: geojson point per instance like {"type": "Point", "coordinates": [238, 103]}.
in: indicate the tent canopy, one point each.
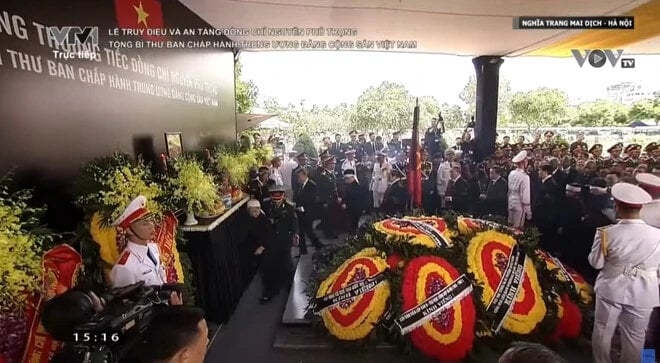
{"type": "Point", "coordinates": [468, 28]}
{"type": "Point", "coordinates": [245, 121]}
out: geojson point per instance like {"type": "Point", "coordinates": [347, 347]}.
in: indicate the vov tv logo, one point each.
{"type": "Point", "coordinates": [597, 58]}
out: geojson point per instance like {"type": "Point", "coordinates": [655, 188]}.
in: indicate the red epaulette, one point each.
{"type": "Point", "coordinates": [123, 258]}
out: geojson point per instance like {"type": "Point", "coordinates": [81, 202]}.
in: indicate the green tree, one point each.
{"type": "Point", "coordinates": [305, 144]}
{"type": "Point", "coordinates": [246, 91]}
{"type": "Point", "coordinates": [648, 109]}
{"type": "Point", "coordinates": [469, 97]}
{"type": "Point", "coordinates": [386, 107]}
{"type": "Point", "coordinates": [540, 107]}
{"type": "Point", "coordinates": [453, 116]}
{"type": "Point", "coordinates": [601, 113]}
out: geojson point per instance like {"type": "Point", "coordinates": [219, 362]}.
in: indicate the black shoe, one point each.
{"type": "Point", "coordinates": [264, 299]}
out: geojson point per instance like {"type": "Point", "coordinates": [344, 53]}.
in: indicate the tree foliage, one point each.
{"type": "Point", "coordinates": [386, 107]}
{"type": "Point", "coordinates": [601, 113]}
{"type": "Point", "coordinates": [305, 144]}
{"type": "Point", "coordinates": [646, 110]}
{"type": "Point", "coordinates": [540, 107]}
{"type": "Point", "coordinates": [469, 97]}
{"type": "Point", "coordinates": [246, 91]}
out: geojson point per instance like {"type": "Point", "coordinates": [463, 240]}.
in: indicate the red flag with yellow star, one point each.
{"type": "Point", "coordinates": [140, 14]}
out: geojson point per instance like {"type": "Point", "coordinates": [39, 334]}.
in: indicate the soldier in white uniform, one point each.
{"type": "Point", "coordinates": [380, 178]}
{"type": "Point", "coordinates": [349, 162]}
{"type": "Point", "coordinates": [276, 170]}
{"type": "Point", "coordinates": [443, 175]}
{"type": "Point", "coordinates": [628, 256]}
{"type": "Point", "coordinates": [140, 259]}
{"type": "Point", "coordinates": [519, 192]}
{"type": "Point", "coordinates": [650, 212]}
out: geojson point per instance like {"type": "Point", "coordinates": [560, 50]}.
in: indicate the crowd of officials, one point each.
{"type": "Point", "coordinates": [570, 191]}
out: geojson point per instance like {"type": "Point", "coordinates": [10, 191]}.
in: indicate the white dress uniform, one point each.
{"type": "Point", "coordinates": [276, 176]}
{"type": "Point", "coordinates": [138, 263]}
{"type": "Point", "coordinates": [519, 194]}
{"type": "Point", "coordinates": [380, 177]}
{"type": "Point", "coordinates": [628, 255]}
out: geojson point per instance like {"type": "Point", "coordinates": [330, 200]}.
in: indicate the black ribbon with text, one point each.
{"type": "Point", "coordinates": [347, 293]}
{"type": "Point", "coordinates": [434, 305]}
{"type": "Point", "coordinates": [507, 290]}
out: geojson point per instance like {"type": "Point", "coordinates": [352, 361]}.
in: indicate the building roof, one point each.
{"type": "Point", "coordinates": [468, 28]}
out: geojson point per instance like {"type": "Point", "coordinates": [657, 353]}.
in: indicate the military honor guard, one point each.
{"type": "Point", "coordinates": [140, 259]}
{"type": "Point", "coordinates": [276, 265]}
{"type": "Point", "coordinates": [632, 155]}
{"type": "Point", "coordinates": [276, 170]}
{"type": "Point", "coordinates": [380, 178]}
{"type": "Point", "coordinates": [627, 255]}
{"type": "Point", "coordinates": [519, 201]}
{"type": "Point", "coordinates": [596, 152]}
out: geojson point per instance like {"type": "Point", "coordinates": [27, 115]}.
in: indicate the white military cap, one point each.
{"type": "Point", "coordinates": [650, 213]}
{"type": "Point", "coordinates": [649, 182]}
{"type": "Point", "coordinates": [136, 210]}
{"type": "Point", "coordinates": [630, 195]}
{"type": "Point", "coordinates": [520, 157]}
{"type": "Point", "coordinates": [253, 203]}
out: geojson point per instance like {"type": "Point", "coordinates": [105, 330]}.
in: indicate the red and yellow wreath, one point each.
{"type": "Point", "coordinates": [469, 226]}
{"type": "Point", "coordinates": [583, 288]}
{"type": "Point", "coordinates": [405, 227]}
{"type": "Point", "coordinates": [448, 336]}
{"type": "Point", "coordinates": [487, 258]}
{"type": "Point", "coordinates": [354, 319]}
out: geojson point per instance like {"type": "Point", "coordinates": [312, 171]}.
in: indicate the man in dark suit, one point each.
{"type": "Point", "coordinates": [301, 159]}
{"type": "Point", "coordinates": [369, 147]}
{"type": "Point", "coordinates": [337, 148]}
{"type": "Point", "coordinates": [328, 196]}
{"type": "Point", "coordinates": [558, 175]}
{"type": "Point", "coordinates": [546, 207]}
{"type": "Point", "coordinates": [307, 200]}
{"type": "Point", "coordinates": [495, 199]}
{"type": "Point", "coordinates": [396, 198]}
{"type": "Point", "coordinates": [457, 193]}
{"type": "Point", "coordinates": [395, 146]}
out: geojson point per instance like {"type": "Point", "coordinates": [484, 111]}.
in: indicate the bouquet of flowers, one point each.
{"type": "Point", "coordinates": [107, 186]}
{"type": "Point", "coordinates": [22, 241]}
{"type": "Point", "coordinates": [193, 188]}
{"type": "Point", "coordinates": [453, 282]}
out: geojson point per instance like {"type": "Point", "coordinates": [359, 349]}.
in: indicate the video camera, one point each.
{"type": "Point", "coordinates": [109, 335]}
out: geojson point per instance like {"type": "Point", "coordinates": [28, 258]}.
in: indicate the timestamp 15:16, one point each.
{"type": "Point", "coordinates": [96, 337]}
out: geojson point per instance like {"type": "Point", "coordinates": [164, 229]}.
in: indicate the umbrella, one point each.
{"type": "Point", "coordinates": [274, 123]}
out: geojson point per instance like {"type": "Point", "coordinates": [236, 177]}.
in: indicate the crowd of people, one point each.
{"type": "Point", "coordinates": [573, 193]}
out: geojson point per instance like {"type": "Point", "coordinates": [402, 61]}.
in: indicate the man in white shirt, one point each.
{"type": "Point", "coordinates": [628, 256]}
{"type": "Point", "coordinates": [140, 259]}
{"type": "Point", "coordinates": [287, 172]}
{"type": "Point", "coordinates": [379, 178]}
{"type": "Point", "coordinates": [349, 162]}
{"type": "Point", "coordinates": [520, 208]}
{"type": "Point", "coordinates": [443, 175]}
{"type": "Point", "coordinates": [276, 170]}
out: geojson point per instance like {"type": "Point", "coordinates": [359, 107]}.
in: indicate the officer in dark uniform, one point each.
{"type": "Point", "coordinates": [353, 201]}
{"type": "Point", "coordinates": [632, 155]}
{"type": "Point", "coordinates": [579, 142]}
{"type": "Point", "coordinates": [397, 197]}
{"type": "Point", "coordinates": [433, 137]}
{"type": "Point", "coordinates": [596, 152]}
{"type": "Point", "coordinates": [328, 196]}
{"type": "Point", "coordinates": [277, 267]}
{"type": "Point", "coordinates": [395, 146]}
{"type": "Point", "coordinates": [653, 155]}
{"type": "Point", "coordinates": [429, 185]}
{"type": "Point", "coordinates": [614, 155]}
{"type": "Point", "coordinates": [352, 144]}
{"type": "Point", "coordinates": [548, 143]}
{"type": "Point", "coordinates": [361, 147]}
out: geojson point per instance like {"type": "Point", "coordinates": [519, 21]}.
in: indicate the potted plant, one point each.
{"type": "Point", "coordinates": [195, 189]}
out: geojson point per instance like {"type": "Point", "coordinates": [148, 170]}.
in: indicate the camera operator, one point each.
{"type": "Point", "coordinates": [65, 313]}
{"type": "Point", "coordinates": [177, 334]}
{"type": "Point", "coordinates": [140, 259]}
